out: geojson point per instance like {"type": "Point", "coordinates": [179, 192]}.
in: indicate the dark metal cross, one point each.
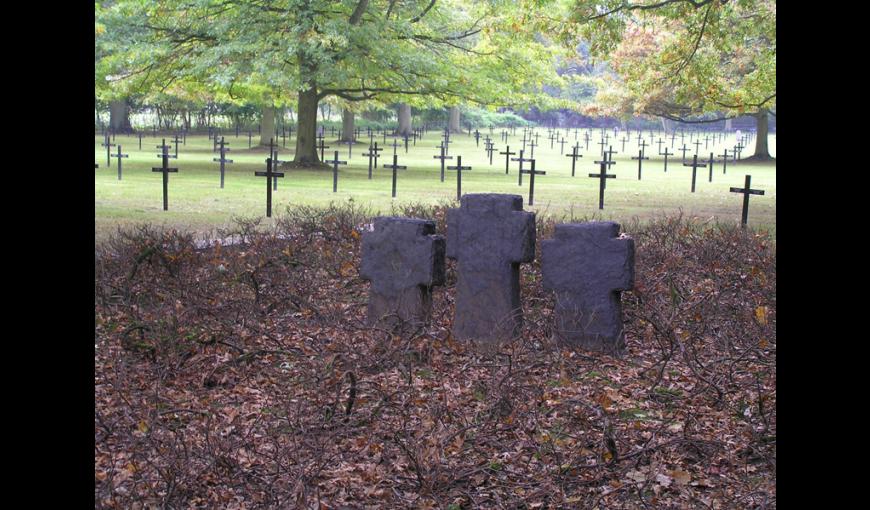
{"type": "Point", "coordinates": [459, 168]}
{"type": "Point", "coordinates": [602, 143]}
{"type": "Point", "coordinates": [533, 144]}
{"type": "Point", "coordinates": [710, 162]}
{"type": "Point", "coordinates": [724, 161]}
{"type": "Point", "coordinates": [223, 159]}
{"type": "Point", "coordinates": [562, 143]}
{"type": "Point", "coordinates": [643, 146]}
{"type": "Point", "coordinates": [507, 158]}
{"type": "Point", "coordinates": [640, 157]}
{"type": "Point", "coordinates": [694, 166]}
{"type": "Point", "coordinates": [395, 167]}
{"type": "Point", "coordinates": [490, 148]}
{"type": "Point", "coordinates": [321, 146]}
{"type": "Point", "coordinates": [522, 160]}
{"type": "Point", "coordinates": [697, 145]}
{"type": "Point", "coordinates": [120, 156]}
{"type": "Point", "coordinates": [476, 138]}
{"type": "Point", "coordinates": [624, 139]}
{"type": "Point", "coordinates": [738, 149]}
{"type": "Point", "coordinates": [602, 175]}
{"type": "Point", "coordinates": [108, 145]}
{"type": "Point", "coordinates": [746, 190]}
{"type": "Point", "coordinates": [269, 174]}
{"type": "Point", "coordinates": [166, 171]}
{"type": "Point", "coordinates": [684, 150]}
{"type": "Point", "coordinates": [442, 157]}
{"type": "Point", "coordinates": [666, 154]}
{"type": "Point", "coordinates": [335, 162]}
{"type": "Point", "coordinates": [574, 157]}
{"type": "Point", "coordinates": [371, 155]}
{"type": "Point", "coordinates": [532, 174]}
{"type": "Point", "coordinates": [175, 140]}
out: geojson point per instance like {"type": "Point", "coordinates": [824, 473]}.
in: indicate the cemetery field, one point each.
{"type": "Point", "coordinates": [197, 203]}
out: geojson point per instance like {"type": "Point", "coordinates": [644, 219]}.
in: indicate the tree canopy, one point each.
{"type": "Point", "coordinates": [422, 52]}
{"type": "Point", "coordinates": [685, 60]}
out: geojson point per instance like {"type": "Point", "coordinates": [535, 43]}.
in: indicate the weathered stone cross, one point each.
{"type": "Point", "coordinates": [489, 235]}
{"type": "Point", "coordinates": [403, 260]}
{"type": "Point", "coordinates": [587, 265]}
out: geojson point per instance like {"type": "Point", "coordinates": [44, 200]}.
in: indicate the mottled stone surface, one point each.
{"type": "Point", "coordinates": [489, 235]}
{"type": "Point", "coordinates": [587, 265]}
{"type": "Point", "coordinates": [403, 259]}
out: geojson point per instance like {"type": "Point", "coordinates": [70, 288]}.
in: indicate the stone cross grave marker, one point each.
{"type": "Point", "coordinates": [459, 168]}
{"type": "Point", "coordinates": [403, 259]}
{"type": "Point", "coordinates": [489, 235]}
{"type": "Point", "coordinates": [120, 157]}
{"type": "Point", "coordinates": [587, 265]}
{"type": "Point", "coordinates": [223, 159]}
{"type": "Point", "coordinates": [269, 174]}
{"type": "Point", "coordinates": [746, 190]}
{"type": "Point", "coordinates": [166, 171]}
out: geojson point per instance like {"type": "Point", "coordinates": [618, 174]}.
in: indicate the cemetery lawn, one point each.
{"type": "Point", "coordinates": [196, 202]}
{"type": "Point", "coordinates": [245, 377]}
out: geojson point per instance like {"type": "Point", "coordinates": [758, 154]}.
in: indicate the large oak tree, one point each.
{"type": "Point", "coordinates": [414, 51]}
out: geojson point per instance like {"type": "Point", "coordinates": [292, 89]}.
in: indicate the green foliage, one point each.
{"type": "Point", "coordinates": [681, 59]}
{"type": "Point", "coordinates": [426, 55]}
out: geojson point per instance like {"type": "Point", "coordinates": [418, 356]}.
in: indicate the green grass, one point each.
{"type": "Point", "coordinates": [196, 201]}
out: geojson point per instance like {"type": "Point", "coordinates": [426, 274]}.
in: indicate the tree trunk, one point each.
{"type": "Point", "coordinates": [727, 125]}
{"type": "Point", "coordinates": [761, 152]}
{"type": "Point", "coordinates": [346, 126]}
{"type": "Point", "coordinates": [454, 120]}
{"type": "Point", "coordinates": [306, 129]}
{"type": "Point", "coordinates": [119, 116]}
{"type": "Point", "coordinates": [404, 119]}
{"type": "Point", "coordinates": [267, 126]}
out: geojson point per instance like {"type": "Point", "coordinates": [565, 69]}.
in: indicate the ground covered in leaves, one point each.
{"type": "Point", "coordinates": [244, 377]}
